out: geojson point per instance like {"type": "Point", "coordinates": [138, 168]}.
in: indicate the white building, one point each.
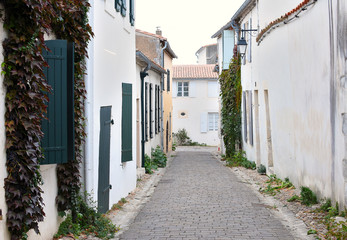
{"type": "Point", "coordinates": [195, 102]}
{"type": "Point", "coordinates": [110, 161]}
{"type": "Point", "coordinates": [207, 54]}
{"type": "Point", "coordinates": [148, 94]}
{"type": "Point", "coordinates": [294, 91]}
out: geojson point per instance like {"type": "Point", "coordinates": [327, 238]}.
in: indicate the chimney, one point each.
{"type": "Point", "coordinates": [158, 32]}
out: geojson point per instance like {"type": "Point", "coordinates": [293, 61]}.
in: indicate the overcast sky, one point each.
{"type": "Point", "coordinates": [187, 24]}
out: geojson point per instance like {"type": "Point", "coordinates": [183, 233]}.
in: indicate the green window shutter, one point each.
{"type": "Point", "coordinates": [150, 111]}
{"type": "Point", "coordinates": [124, 8]}
{"type": "Point", "coordinates": [156, 110]}
{"type": "Point", "coordinates": [168, 81]}
{"type": "Point", "coordinates": [127, 123]}
{"type": "Point", "coordinates": [132, 12]}
{"type": "Point", "coordinates": [58, 129]}
{"type": "Point", "coordinates": [146, 112]}
{"type": "Point", "coordinates": [158, 97]}
{"type": "Point", "coordinates": [118, 5]}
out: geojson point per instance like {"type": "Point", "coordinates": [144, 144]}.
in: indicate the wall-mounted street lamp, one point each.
{"type": "Point", "coordinates": [242, 43]}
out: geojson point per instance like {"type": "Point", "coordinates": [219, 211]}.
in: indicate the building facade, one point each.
{"type": "Point", "coordinates": [294, 91]}
{"type": "Point", "coordinates": [195, 102]}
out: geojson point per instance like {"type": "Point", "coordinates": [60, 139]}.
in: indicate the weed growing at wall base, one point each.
{"type": "Point", "coordinates": [239, 160]}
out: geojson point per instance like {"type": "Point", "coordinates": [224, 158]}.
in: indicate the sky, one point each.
{"type": "Point", "coordinates": [187, 24]}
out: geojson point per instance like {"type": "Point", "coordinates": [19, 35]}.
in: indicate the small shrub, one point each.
{"type": "Point", "coordinates": [326, 206]}
{"type": "Point", "coordinates": [158, 157]}
{"type": "Point", "coordinates": [239, 159]}
{"type": "Point", "coordinates": [88, 221]}
{"type": "Point", "coordinates": [149, 165]}
{"type": "Point", "coordinates": [182, 137]}
{"type": "Point", "coordinates": [308, 197]}
{"type": "Point", "coordinates": [174, 146]}
{"type": "Point", "coordinates": [261, 169]}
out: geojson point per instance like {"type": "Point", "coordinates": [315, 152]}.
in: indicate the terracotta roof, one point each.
{"type": "Point", "coordinates": [203, 71]}
{"type": "Point", "coordinates": [151, 34]}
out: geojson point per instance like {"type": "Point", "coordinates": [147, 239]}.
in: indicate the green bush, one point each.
{"type": "Point", "coordinates": [158, 157]}
{"type": "Point", "coordinates": [182, 137]}
{"type": "Point", "coordinates": [88, 221]}
{"type": "Point", "coordinates": [261, 169]}
{"type": "Point", "coordinates": [308, 197]}
{"type": "Point", "coordinates": [149, 165]}
{"type": "Point", "coordinates": [239, 159]}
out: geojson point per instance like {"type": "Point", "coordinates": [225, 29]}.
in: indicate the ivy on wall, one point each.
{"type": "Point", "coordinates": [231, 92]}
{"type": "Point", "coordinates": [26, 21]}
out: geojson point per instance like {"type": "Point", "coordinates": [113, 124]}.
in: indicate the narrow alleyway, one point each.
{"type": "Point", "coordinates": [199, 198]}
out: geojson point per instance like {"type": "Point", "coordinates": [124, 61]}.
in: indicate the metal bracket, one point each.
{"type": "Point", "coordinates": [109, 187]}
{"type": "Point", "coordinates": [110, 121]}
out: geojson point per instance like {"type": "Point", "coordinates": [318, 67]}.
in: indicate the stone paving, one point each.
{"type": "Point", "coordinates": [199, 198]}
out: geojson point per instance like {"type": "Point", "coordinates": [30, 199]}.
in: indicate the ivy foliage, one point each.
{"type": "Point", "coordinates": [26, 22]}
{"type": "Point", "coordinates": [231, 92]}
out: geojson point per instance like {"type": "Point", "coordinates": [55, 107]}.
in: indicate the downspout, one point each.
{"type": "Point", "coordinates": [143, 74]}
{"type": "Point", "coordinates": [161, 98]}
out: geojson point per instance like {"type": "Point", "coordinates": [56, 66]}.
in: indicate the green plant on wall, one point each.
{"type": "Point", "coordinates": [231, 91]}
{"type": "Point", "coordinates": [26, 22]}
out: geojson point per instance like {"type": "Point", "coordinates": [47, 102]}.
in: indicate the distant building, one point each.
{"type": "Point", "coordinates": [195, 102]}
{"type": "Point", "coordinates": [207, 54]}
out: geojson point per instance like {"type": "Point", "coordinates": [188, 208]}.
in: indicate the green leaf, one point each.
{"type": "Point", "coordinates": [311, 231]}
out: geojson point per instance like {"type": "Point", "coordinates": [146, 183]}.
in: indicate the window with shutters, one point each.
{"type": "Point", "coordinates": [58, 128]}
{"type": "Point", "coordinates": [182, 89]}
{"type": "Point", "coordinates": [127, 122]}
{"type": "Point", "coordinates": [168, 81]}
{"type": "Point", "coordinates": [121, 6]}
{"type": "Point", "coordinates": [213, 119]}
{"type": "Point", "coordinates": [150, 111]}
{"type": "Point", "coordinates": [146, 112]}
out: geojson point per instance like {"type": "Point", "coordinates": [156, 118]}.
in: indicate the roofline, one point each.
{"type": "Point", "coordinates": [170, 51]}
{"type": "Point", "coordinates": [142, 57]}
{"type": "Point", "coordinates": [195, 78]}
{"type": "Point", "coordinates": [244, 9]}
{"type": "Point", "coordinates": [219, 32]}
{"type": "Point", "coordinates": [208, 45]}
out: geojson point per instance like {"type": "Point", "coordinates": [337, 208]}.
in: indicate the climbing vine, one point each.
{"type": "Point", "coordinates": [231, 91]}
{"type": "Point", "coordinates": [26, 22]}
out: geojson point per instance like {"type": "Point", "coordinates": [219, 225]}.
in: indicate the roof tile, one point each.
{"type": "Point", "coordinates": [203, 71]}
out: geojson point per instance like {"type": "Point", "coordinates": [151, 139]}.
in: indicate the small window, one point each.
{"type": "Point", "coordinates": [213, 119]}
{"type": "Point", "coordinates": [182, 89]}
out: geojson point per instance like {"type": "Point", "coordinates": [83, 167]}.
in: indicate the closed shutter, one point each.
{"type": "Point", "coordinates": [159, 115]}
{"type": "Point", "coordinates": [118, 5]}
{"type": "Point", "coordinates": [249, 47]}
{"type": "Point", "coordinates": [174, 89]}
{"type": "Point", "coordinates": [192, 89]}
{"type": "Point", "coordinates": [244, 117]}
{"type": "Point", "coordinates": [156, 110]}
{"type": "Point", "coordinates": [146, 112]}
{"type": "Point", "coordinates": [150, 111]}
{"type": "Point", "coordinates": [58, 140]}
{"type": "Point", "coordinates": [203, 122]}
{"type": "Point", "coordinates": [132, 13]}
{"type": "Point", "coordinates": [250, 118]}
{"type": "Point", "coordinates": [124, 8]}
{"type": "Point", "coordinates": [168, 81]}
{"type": "Point", "coordinates": [127, 121]}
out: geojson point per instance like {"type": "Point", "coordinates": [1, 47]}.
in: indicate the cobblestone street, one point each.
{"type": "Point", "coordinates": [199, 198]}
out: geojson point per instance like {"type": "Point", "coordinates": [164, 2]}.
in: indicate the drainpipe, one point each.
{"type": "Point", "coordinates": [161, 98]}
{"type": "Point", "coordinates": [143, 74]}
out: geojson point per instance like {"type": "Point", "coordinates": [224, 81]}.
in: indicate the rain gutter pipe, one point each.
{"type": "Point", "coordinates": [161, 98]}
{"type": "Point", "coordinates": [143, 74]}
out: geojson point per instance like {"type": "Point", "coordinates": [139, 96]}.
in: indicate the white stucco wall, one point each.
{"type": "Point", "coordinates": [293, 63]}
{"type": "Point", "coordinates": [202, 56]}
{"type": "Point", "coordinates": [194, 107]}
{"type": "Point", "coordinates": [111, 63]}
